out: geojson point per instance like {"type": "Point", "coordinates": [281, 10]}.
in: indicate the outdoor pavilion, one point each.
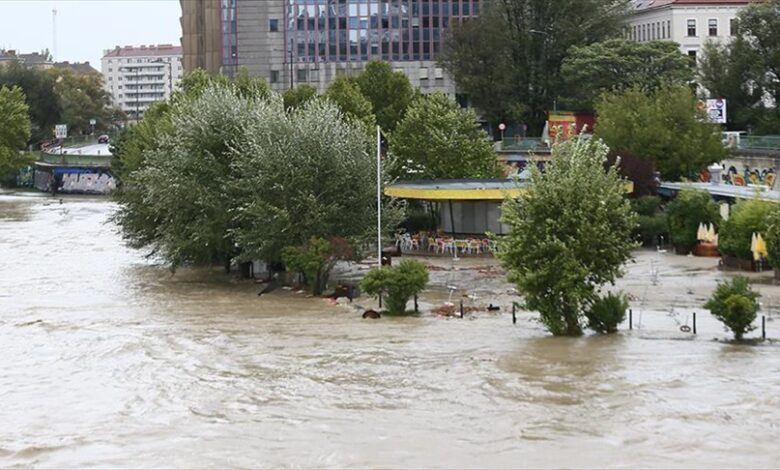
{"type": "Point", "coordinates": [469, 206]}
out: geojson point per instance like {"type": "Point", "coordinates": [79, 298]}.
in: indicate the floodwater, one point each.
{"type": "Point", "coordinates": [107, 360]}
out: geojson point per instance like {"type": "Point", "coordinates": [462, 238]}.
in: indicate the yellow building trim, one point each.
{"type": "Point", "coordinates": [453, 194]}
{"type": "Point", "coordinates": [432, 194]}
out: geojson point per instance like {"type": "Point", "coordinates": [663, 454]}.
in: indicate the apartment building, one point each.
{"type": "Point", "coordinates": [690, 23]}
{"type": "Point", "coordinates": [136, 77]}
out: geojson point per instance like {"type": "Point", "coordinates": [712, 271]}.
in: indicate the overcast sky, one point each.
{"type": "Point", "coordinates": [86, 27]}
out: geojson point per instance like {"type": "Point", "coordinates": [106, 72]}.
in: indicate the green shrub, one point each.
{"type": "Point", "coordinates": [400, 283]}
{"type": "Point", "coordinates": [314, 261]}
{"type": "Point", "coordinates": [606, 313]}
{"type": "Point", "coordinates": [734, 304]}
{"type": "Point", "coordinates": [651, 227]}
{"type": "Point", "coordinates": [690, 208]}
{"type": "Point", "coordinates": [772, 237]}
{"type": "Point", "coordinates": [646, 205]}
{"type": "Point", "coordinates": [747, 217]}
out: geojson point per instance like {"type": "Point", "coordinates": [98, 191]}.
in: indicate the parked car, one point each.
{"type": "Point", "coordinates": [103, 139]}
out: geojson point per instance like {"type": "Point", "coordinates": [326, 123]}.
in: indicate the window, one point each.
{"type": "Point", "coordinates": [692, 58]}
{"type": "Point", "coordinates": [734, 26]}
{"type": "Point", "coordinates": [302, 75]}
{"type": "Point", "coordinates": [691, 28]}
{"type": "Point", "coordinates": [110, 79]}
{"type": "Point", "coordinates": [424, 73]}
{"type": "Point", "coordinates": [438, 73]}
{"type": "Point", "coordinates": [663, 30]}
{"type": "Point", "coordinates": [274, 25]}
{"type": "Point", "coordinates": [713, 26]}
{"type": "Point", "coordinates": [274, 76]}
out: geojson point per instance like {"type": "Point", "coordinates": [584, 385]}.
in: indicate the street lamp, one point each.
{"type": "Point", "coordinates": [292, 83]}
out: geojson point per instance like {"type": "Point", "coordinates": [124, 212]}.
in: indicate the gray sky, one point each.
{"type": "Point", "coordinates": [86, 27]}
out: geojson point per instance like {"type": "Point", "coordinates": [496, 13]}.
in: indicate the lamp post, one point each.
{"type": "Point", "coordinates": [292, 83]}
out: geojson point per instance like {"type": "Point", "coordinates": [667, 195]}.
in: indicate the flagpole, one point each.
{"type": "Point", "coordinates": [379, 196]}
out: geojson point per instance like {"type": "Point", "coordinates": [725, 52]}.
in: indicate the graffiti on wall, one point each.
{"type": "Point", "coordinates": [748, 176]}
{"type": "Point", "coordinates": [89, 183]}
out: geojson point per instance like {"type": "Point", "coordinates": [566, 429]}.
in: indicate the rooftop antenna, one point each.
{"type": "Point", "coordinates": [54, 32]}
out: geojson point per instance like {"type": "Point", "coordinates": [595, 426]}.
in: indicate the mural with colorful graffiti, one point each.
{"type": "Point", "coordinates": [748, 176]}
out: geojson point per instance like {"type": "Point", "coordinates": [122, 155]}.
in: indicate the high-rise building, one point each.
{"type": "Point", "coordinates": [136, 77]}
{"type": "Point", "coordinates": [690, 23]}
{"type": "Point", "coordinates": [291, 42]}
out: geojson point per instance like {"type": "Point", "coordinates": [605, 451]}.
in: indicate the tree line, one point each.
{"type": "Point", "coordinates": [521, 58]}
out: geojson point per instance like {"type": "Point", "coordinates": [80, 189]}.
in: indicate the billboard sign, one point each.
{"type": "Point", "coordinates": [716, 110]}
{"type": "Point", "coordinates": [61, 131]}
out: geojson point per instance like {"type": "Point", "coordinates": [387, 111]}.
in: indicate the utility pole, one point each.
{"type": "Point", "coordinates": [54, 32]}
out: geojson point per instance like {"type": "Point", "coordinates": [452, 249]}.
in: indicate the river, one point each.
{"type": "Point", "coordinates": [109, 360]}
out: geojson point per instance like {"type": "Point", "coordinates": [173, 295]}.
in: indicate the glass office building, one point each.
{"type": "Point", "coordinates": [363, 30]}
{"type": "Point", "coordinates": [289, 42]}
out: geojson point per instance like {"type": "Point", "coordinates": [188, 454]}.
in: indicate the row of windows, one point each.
{"type": "Point", "coordinates": [651, 31]}
{"type": "Point", "coordinates": [364, 29]}
{"type": "Point", "coordinates": [304, 75]}
{"type": "Point", "coordinates": [143, 60]}
{"type": "Point", "coordinates": [660, 30]}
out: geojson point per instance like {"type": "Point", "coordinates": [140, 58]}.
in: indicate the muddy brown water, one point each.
{"type": "Point", "coordinates": [107, 360]}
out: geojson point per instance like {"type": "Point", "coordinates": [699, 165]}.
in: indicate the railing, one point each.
{"type": "Point", "coordinates": [75, 160]}
{"type": "Point", "coordinates": [760, 142]}
{"type": "Point", "coordinates": [523, 144]}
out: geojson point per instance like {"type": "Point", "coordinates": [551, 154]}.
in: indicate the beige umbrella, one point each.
{"type": "Point", "coordinates": [711, 234]}
{"type": "Point", "coordinates": [701, 233]}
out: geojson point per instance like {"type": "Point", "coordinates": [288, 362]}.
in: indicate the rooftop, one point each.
{"type": "Point", "coordinates": [640, 5]}
{"type": "Point", "coordinates": [143, 51]}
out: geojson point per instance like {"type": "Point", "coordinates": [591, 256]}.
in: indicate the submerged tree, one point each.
{"type": "Point", "coordinates": [570, 234]}
{"type": "Point", "coordinates": [177, 201]}
{"type": "Point", "coordinates": [735, 304]}
{"type": "Point", "coordinates": [305, 173]}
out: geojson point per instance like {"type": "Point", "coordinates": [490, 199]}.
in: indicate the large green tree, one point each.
{"type": "Point", "coordinates": [306, 173]}
{"type": "Point", "coordinates": [389, 93]}
{"type": "Point", "coordinates": [83, 98]}
{"type": "Point", "coordinates": [439, 140]}
{"type": "Point", "coordinates": [40, 95]}
{"type": "Point", "coordinates": [759, 25]}
{"type": "Point", "coordinates": [664, 127]}
{"type": "Point", "coordinates": [618, 64]}
{"type": "Point", "coordinates": [296, 97]}
{"type": "Point", "coordinates": [508, 60]}
{"type": "Point", "coordinates": [14, 128]}
{"type": "Point", "coordinates": [570, 234]}
{"type": "Point", "coordinates": [345, 93]}
{"type": "Point", "coordinates": [177, 202]}
{"type": "Point", "coordinates": [734, 72]}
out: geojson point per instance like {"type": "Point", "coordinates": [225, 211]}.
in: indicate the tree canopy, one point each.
{"type": "Point", "coordinates": [296, 97]}
{"type": "Point", "coordinates": [619, 64]}
{"type": "Point", "coordinates": [345, 93]}
{"type": "Point", "coordinates": [570, 234]}
{"type": "Point", "coordinates": [83, 98]}
{"type": "Point", "coordinates": [745, 71]}
{"type": "Point", "coordinates": [14, 127]}
{"type": "Point", "coordinates": [664, 127]}
{"type": "Point", "coordinates": [389, 93]}
{"type": "Point", "coordinates": [439, 140]}
{"type": "Point", "coordinates": [40, 95]}
{"type": "Point", "coordinates": [508, 60]}
{"type": "Point", "coordinates": [223, 172]}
